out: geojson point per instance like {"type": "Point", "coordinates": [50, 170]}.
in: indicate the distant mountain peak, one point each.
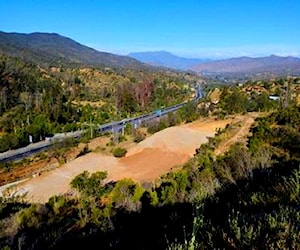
{"type": "Point", "coordinates": [166, 59]}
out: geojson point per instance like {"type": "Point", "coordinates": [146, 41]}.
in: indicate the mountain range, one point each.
{"type": "Point", "coordinates": [167, 59]}
{"type": "Point", "coordinates": [275, 65]}
{"type": "Point", "coordinates": [54, 49]}
{"type": "Point", "coordinates": [270, 65]}
{"type": "Point", "coordinates": [51, 48]}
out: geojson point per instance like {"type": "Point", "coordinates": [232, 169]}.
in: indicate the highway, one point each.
{"type": "Point", "coordinates": [109, 127]}
{"type": "Point", "coordinates": [17, 154]}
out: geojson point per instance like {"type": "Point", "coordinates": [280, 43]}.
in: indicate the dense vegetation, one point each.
{"type": "Point", "coordinates": [246, 198]}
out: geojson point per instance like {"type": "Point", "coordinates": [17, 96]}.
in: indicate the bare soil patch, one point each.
{"type": "Point", "coordinates": [144, 162]}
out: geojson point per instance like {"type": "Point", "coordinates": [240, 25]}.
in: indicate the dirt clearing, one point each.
{"type": "Point", "coordinates": [144, 162]}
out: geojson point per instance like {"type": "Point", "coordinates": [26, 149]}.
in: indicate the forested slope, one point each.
{"type": "Point", "coordinates": [41, 101]}
{"type": "Point", "coordinates": [50, 49]}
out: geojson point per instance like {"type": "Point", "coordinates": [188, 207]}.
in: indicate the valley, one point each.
{"type": "Point", "coordinates": [158, 163]}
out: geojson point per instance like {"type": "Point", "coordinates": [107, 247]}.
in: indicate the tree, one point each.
{"type": "Point", "coordinates": [26, 98]}
{"type": "Point", "coordinates": [90, 184]}
{"type": "Point", "coordinates": [127, 194]}
{"type": "Point", "coordinates": [234, 101]}
{"type": "Point", "coordinates": [125, 98]}
{"type": "Point", "coordinates": [144, 92]}
{"type": "Point", "coordinates": [189, 112]}
{"type": "Point", "coordinates": [59, 149]}
{"type": "Point", "coordinates": [39, 128]}
{"type": "Point", "coordinates": [3, 100]}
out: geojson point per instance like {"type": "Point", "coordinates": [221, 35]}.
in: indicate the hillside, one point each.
{"type": "Point", "coordinates": [54, 49]}
{"type": "Point", "coordinates": [246, 197]}
{"type": "Point", "coordinates": [274, 65]}
{"type": "Point", "coordinates": [39, 99]}
{"type": "Point", "coordinates": [166, 59]}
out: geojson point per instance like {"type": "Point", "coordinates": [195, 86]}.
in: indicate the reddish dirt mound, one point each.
{"type": "Point", "coordinates": [182, 140]}
{"type": "Point", "coordinates": [148, 164]}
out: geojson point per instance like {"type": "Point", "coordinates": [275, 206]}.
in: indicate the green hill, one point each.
{"type": "Point", "coordinates": [54, 49]}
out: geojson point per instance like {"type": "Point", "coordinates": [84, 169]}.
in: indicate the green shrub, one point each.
{"type": "Point", "coordinates": [158, 126]}
{"type": "Point", "coordinates": [90, 184]}
{"type": "Point", "coordinates": [119, 152]}
{"type": "Point", "coordinates": [139, 137]}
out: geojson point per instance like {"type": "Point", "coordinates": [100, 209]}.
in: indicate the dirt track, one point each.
{"type": "Point", "coordinates": [144, 162]}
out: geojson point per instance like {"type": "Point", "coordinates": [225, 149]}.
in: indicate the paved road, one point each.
{"type": "Point", "coordinates": [33, 148]}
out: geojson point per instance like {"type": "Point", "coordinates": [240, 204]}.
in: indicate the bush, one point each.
{"type": "Point", "coordinates": [84, 151]}
{"type": "Point", "coordinates": [119, 152]}
{"type": "Point", "coordinates": [90, 184]}
{"type": "Point", "coordinates": [139, 137]}
{"type": "Point", "coordinates": [158, 126]}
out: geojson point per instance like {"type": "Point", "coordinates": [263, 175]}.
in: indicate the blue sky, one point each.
{"type": "Point", "coordinates": [190, 28]}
